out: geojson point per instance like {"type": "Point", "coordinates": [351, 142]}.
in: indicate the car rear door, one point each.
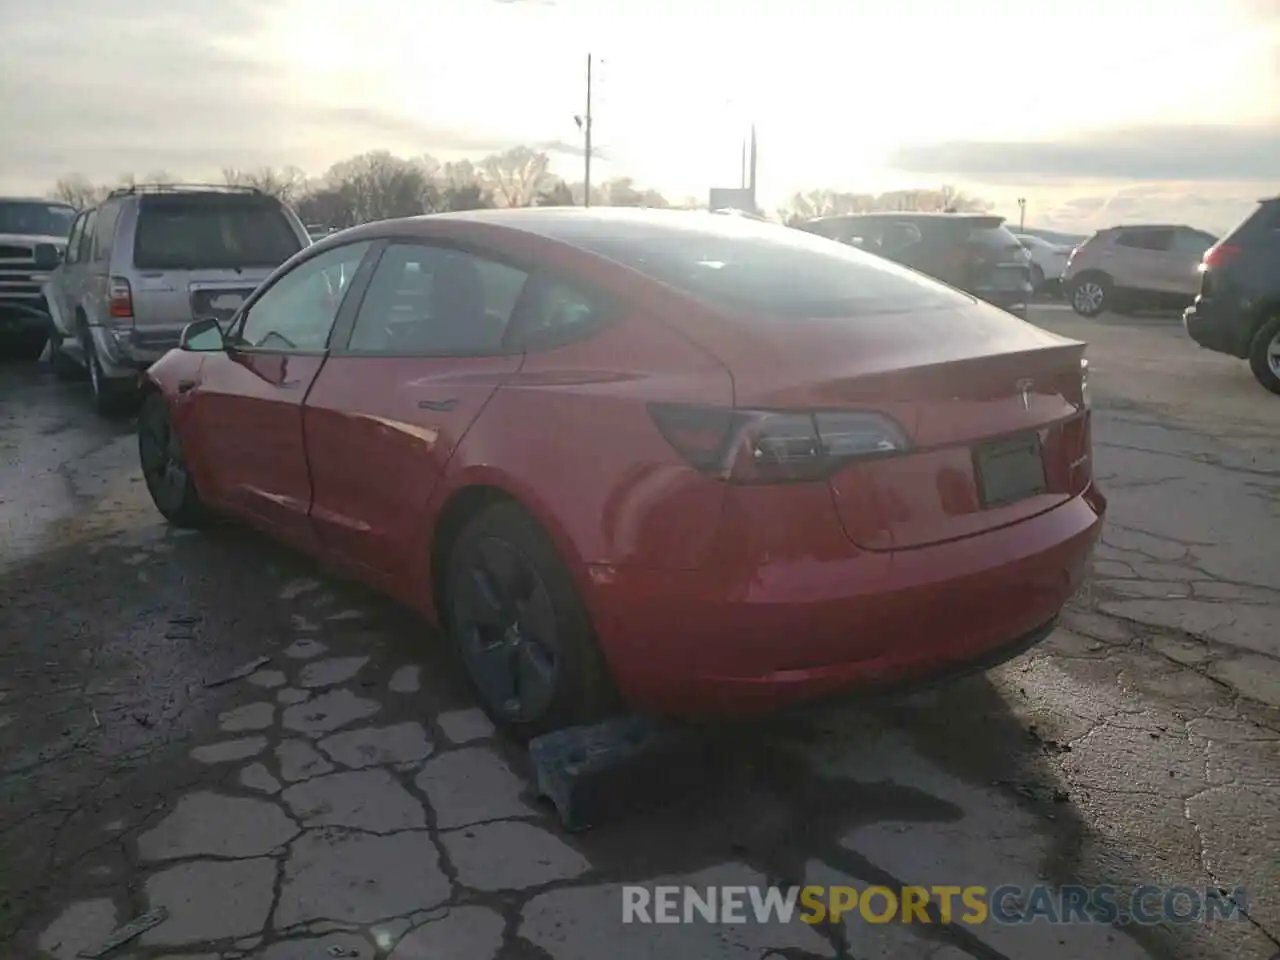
{"type": "Point", "coordinates": [422, 356]}
{"type": "Point", "coordinates": [247, 402]}
{"type": "Point", "coordinates": [200, 255]}
{"type": "Point", "coordinates": [1183, 260]}
{"type": "Point", "coordinates": [1140, 259]}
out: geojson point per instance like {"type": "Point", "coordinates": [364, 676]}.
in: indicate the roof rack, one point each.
{"type": "Point", "coordinates": [141, 188]}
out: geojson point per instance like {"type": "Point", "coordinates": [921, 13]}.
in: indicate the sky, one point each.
{"type": "Point", "coordinates": [1095, 112]}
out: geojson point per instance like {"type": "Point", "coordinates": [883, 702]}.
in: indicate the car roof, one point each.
{"type": "Point", "coordinates": [909, 215]}
{"type": "Point", "coordinates": [44, 201]}
{"type": "Point", "coordinates": [571, 224]}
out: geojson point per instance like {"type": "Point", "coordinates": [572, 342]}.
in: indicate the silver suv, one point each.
{"type": "Point", "coordinates": [1131, 267]}
{"type": "Point", "coordinates": [146, 262]}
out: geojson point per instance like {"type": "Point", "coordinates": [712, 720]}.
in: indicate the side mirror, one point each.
{"type": "Point", "coordinates": [47, 257]}
{"type": "Point", "coordinates": [202, 336]}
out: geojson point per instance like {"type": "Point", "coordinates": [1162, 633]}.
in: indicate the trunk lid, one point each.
{"type": "Point", "coordinates": [993, 407]}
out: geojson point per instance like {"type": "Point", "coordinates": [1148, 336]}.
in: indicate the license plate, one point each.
{"type": "Point", "coordinates": [1009, 470]}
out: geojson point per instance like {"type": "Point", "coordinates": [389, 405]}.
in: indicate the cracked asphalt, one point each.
{"type": "Point", "coordinates": [291, 767]}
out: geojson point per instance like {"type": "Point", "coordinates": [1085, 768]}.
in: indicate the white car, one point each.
{"type": "Point", "coordinates": [1048, 260]}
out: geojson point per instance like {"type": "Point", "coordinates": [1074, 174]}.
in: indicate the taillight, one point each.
{"type": "Point", "coordinates": [120, 299]}
{"type": "Point", "coordinates": [764, 446]}
{"type": "Point", "coordinates": [1219, 254]}
{"type": "Point", "coordinates": [1085, 399]}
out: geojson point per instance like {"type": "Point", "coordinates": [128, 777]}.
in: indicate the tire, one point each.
{"type": "Point", "coordinates": [1264, 355]}
{"type": "Point", "coordinates": [1037, 279]}
{"type": "Point", "coordinates": [1091, 294]}
{"type": "Point", "coordinates": [164, 466]}
{"type": "Point", "coordinates": [63, 366]}
{"type": "Point", "coordinates": [519, 627]}
{"type": "Point", "coordinates": [109, 399]}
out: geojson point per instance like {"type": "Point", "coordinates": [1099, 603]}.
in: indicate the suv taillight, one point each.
{"type": "Point", "coordinates": [1219, 254]}
{"type": "Point", "coordinates": [120, 299]}
{"type": "Point", "coordinates": [762, 446]}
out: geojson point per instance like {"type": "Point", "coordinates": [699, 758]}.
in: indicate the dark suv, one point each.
{"type": "Point", "coordinates": [1238, 309]}
{"type": "Point", "coordinates": [975, 253]}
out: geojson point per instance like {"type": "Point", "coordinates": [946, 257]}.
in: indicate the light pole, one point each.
{"type": "Point", "coordinates": [1022, 214]}
{"type": "Point", "coordinates": [584, 124]}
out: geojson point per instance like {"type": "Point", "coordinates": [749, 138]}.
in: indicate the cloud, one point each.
{"type": "Point", "coordinates": [1154, 153]}
{"type": "Point", "coordinates": [109, 87]}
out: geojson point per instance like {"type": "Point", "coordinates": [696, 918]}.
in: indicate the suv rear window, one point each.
{"type": "Point", "coordinates": [996, 236]}
{"type": "Point", "coordinates": [198, 233]}
{"type": "Point", "coordinates": [774, 271]}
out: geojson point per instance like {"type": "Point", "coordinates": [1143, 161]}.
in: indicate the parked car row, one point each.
{"type": "Point", "coordinates": [1229, 289]}
{"type": "Point", "coordinates": [976, 253]}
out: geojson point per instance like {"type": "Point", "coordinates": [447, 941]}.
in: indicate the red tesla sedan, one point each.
{"type": "Point", "coordinates": [706, 463]}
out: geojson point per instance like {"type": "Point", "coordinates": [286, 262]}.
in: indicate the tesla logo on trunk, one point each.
{"type": "Point", "coordinates": [1024, 391]}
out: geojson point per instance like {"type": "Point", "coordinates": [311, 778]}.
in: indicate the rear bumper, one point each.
{"type": "Point", "coordinates": [803, 628]}
{"type": "Point", "coordinates": [1221, 327]}
{"type": "Point", "coordinates": [122, 356]}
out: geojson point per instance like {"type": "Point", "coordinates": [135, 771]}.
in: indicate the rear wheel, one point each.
{"type": "Point", "coordinates": [520, 628]}
{"type": "Point", "coordinates": [1264, 355]}
{"type": "Point", "coordinates": [1091, 294]}
{"type": "Point", "coordinates": [110, 399]}
{"type": "Point", "coordinates": [164, 466]}
{"type": "Point", "coordinates": [1037, 279]}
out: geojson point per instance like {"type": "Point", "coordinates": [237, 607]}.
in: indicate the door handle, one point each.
{"type": "Point", "coordinates": [440, 406]}
{"type": "Point", "coordinates": [186, 386]}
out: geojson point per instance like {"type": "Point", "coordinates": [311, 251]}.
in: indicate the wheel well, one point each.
{"type": "Point", "coordinates": [454, 516]}
{"type": "Point", "coordinates": [1092, 274]}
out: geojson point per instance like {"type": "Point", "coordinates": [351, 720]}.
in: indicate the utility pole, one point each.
{"type": "Point", "coordinates": [586, 124]}
{"type": "Point", "coordinates": [1022, 214]}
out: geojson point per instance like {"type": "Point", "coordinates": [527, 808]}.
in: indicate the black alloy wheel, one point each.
{"type": "Point", "coordinates": [519, 627]}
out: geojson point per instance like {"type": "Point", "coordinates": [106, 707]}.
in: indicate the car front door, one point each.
{"type": "Point", "coordinates": [424, 354]}
{"type": "Point", "coordinates": [247, 401]}
{"type": "Point", "coordinates": [62, 284]}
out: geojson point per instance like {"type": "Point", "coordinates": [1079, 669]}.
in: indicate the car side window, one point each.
{"type": "Point", "coordinates": [73, 240]}
{"type": "Point", "coordinates": [105, 230]}
{"type": "Point", "coordinates": [431, 300]}
{"type": "Point", "coordinates": [1192, 242]}
{"type": "Point", "coordinates": [296, 313]}
{"type": "Point", "coordinates": [85, 247]}
{"type": "Point", "coordinates": [558, 312]}
{"type": "Point", "coordinates": [1157, 240]}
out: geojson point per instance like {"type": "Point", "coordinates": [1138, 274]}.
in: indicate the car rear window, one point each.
{"type": "Point", "coordinates": [197, 233]}
{"type": "Point", "coordinates": [774, 271]}
{"type": "Point", "coordinates": [996, 236]}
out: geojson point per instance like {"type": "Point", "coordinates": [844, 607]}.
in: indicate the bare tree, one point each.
{"type": "Point", "coordinates": [517, 175]}
{"type": "Point", "coordinates": [379, 186]}
{"type": "Point", "coordinates": [78, 191]}
{"type": "Point", "coordinates": [623, 192]}
{"type": "Point", "coordinates": [287, 183]}
{"type": "Point", "coordinates": [557, 195]}
{"type": "Point", "coordinates": [833, 203]}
